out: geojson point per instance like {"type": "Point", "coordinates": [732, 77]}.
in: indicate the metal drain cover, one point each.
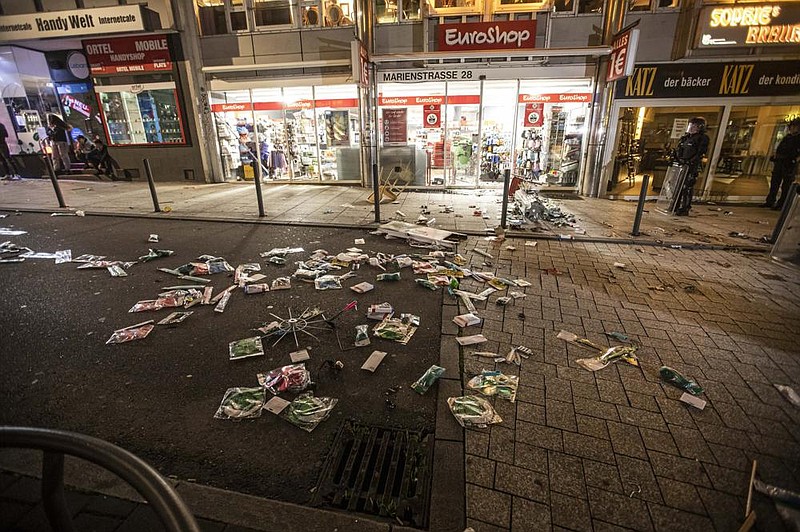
{"type": "Point", "coordinates": [378, 471]}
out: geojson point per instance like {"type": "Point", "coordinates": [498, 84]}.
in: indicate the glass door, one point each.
{"type": "Point", "coordinates": [270, 127]}
{"type": "Point", "coordinates": [338, 126]}
{"type": "Point", "coordinates": [301, 133]}
{"type": "Point", "coordinates": [497, 130]}
{"type": "Point", "coordinates": [461, 134]}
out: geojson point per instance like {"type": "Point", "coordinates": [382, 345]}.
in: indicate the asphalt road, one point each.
{"type": "Point", "coordinates": [156, 397]}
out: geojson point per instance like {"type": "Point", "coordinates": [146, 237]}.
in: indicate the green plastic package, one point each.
{"type": "Point", "coordinates": [676, 379]}
{"type": "Point", "coordinates": [495, 383]}
{"type": "Point", "coordinates": [307, 411]}
{"type": "Point", "coordinates": [428, 378]}
{"type": "Point", "coordinates": [241, 403]}
{"type": "Point", "coordinates": [473, 411]}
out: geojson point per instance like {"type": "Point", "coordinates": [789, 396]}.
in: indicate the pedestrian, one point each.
{"type": "Point", "coordinates": [5, 156]}
{"type": "Point", "coordinates": [691, 148]}
{"type": "Point", "coordinates": [60, 138]}
{"type": "Point", "coordinates": [784, 164]}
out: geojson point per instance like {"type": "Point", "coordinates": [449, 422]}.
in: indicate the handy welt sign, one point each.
{"type": "Point", "coordinates": [71, 23]}
{"type": "Point", "coordinates": [514, 35]}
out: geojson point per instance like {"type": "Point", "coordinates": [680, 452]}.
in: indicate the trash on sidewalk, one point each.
{"type": "Point", "coordinates": [789, 393]}
{"type": "Point", "coordinates": [362, 288]}
{"type": "Point", "coordinates": [7, 231]}
{"type": "Point", "coordinates": [395, 276]}
{"type": "Point", "coordinates": [397, 329]}
{"type": "Point", "coordinates": [618, 336]}
{"type": "Point", "coordinates": [299, 356]}
{"type": "Point", "coordinates": [152, 238]}
{"type": "Point", "coordinates": [362, 335]}
{"type": "Point", "coordinates": [281, 283]}
{"type": "Point", "coordinates": [573, 338]}
{"type": "Point", "coordinates": [425, 283]}
{"type": "Point", "coordinates": [676, 379]}
{"type": "Point", "coordinates": [417, 233]}
{"type": "Point", "coordinates": [379, 311]}
{"type": "Point", "coordinates": [610, 356]}
{"type": "Point", "coordinates": [328, 282]}
{"type": "Point", "coordinates": [465, 320]}
{"type": "Point", "coordinates": [241, 403]}
{"type": "Point", "coordinates": [134, 332]}
{"type": "Point", "coordinates": [157, 304]}
{"type": "Point", "coordinates": [257, 288]}
{"type": "Point", "coordinates": [307, 411]}
{"type": "Point", "coordinates": [495, 383]}
{"type": "Point", "coordinates": [280, 252]}
{"type": "Point", "coordinates": [473, 411]}
{"type": "Point", "coordinates": [246, 347]}
{"type": "Point", "coordinates": [153, 254]}
{"type": "Point", "coordinates": [692, 400]}
{"type": "Point", "coordinates": [175, 318]}
{"type": "Point", "coordinates": [374, 360]}
{"type": "Point", "coordinates": [427, 379]}
{"type": "Point", "coordinates": [470, 340]}
{"type": "Point", "coordinates": [290, 378]}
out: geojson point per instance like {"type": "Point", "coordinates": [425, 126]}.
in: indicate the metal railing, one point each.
{"type": "Point", "coordinates": [165, 501]}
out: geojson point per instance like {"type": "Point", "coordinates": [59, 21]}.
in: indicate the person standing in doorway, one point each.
{"type": "Point", "coordinates": [784, 164]}
{"type": "Point", "coordinates": [60, 137]}
{"type": "Point", "coordinates": [5, 156]}
{"type": "Point", "coordinates": [691, 148]}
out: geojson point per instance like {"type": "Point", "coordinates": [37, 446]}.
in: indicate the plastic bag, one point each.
{"type": "Point", "coordinates": [175, 318]}
{"type": "Point", "coordinates": [676, 379]}
{"type": "Point", "coordinates": [307, 411]}
{"type": "Point", "coordinates": [473, 411]}
{"type": "Point", "coordinates": [609, 356]}
{"type": "Point", "coordinates": [495, 383]}
{"type": "Point", "coordinates": [424, 383]}
{"type": "Point", "coordinates": [395, 276]}
{"type": "Point", "coordinates": [396, 329]}
{"type": "Point", "coordinates": [292, 378]}
{"type": "Point", "coordinates": [281, 283]}
{"type": "Point", "coordinates": [134, 332]}
{"type": "Point", "coordinates": [247, 347]}
{"type": "Point", "coordinates": [362, 335]}
{"type": "Point", "coordinates": [241, 403]}
{"type": "Point", "coordinates": [327, 282]}
{"type": "Point", "coordinates": [426, 283]}
{"type": "Point", "coordinates": [155, 254]}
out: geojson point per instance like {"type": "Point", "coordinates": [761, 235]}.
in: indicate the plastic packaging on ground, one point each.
{"type": "Point", "coordinates": [676, 379]}
{"type": "Point", "coordinates": [495, 383]}
{"type": "Point", "coordinates": [241, 403]}
{"type": "Point", "coordinates": [473, 411]}
{"type": "Point", "coordinates": [307, 411]}
{"type": "Point", "coordinates": [427, 379]}
{"type": "Point", "coordinates": [247, 347]}
{"type": "Point", "coordinates": [291, 378]}
{"type": "Point", "coordinates": [134, 332]}
{"type": "Point", "coordinates": [610, 356]}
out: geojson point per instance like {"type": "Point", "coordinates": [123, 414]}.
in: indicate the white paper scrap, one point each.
{"type": "Point", "coordinates": [690, 399]}
{"type": "Point", "coordinates": [299, 356]}
{"type": "Point", "coordinates": [276, 405]}
{"type": "Point", "coordinates": [465, 320]}
{"type": "Point", "coordinates": [470, 340]}
{"type": "Point", "coordinates": [374, 360]}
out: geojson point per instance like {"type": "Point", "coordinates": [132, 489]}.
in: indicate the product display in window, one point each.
{"type": "Point", "coordinates": [145, 117]}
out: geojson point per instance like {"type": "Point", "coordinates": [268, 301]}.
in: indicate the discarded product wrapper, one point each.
{"type": "Point", "coordinates": [427, 379]}
{"type": "Point", "coordinates": [281, 283]}
{"type": "Point", "coordinates": [469, 340]}
{"type": "Point", "coordinates": [374, 360]}
{"type": "Point", "coordinates": [299, 356]}
{"type": "Point", "coordinates": [175, 317]}
{"type": "Point", "coordinates": [307, 411]}
{"type": "Point", "coordinates": [156, 254]}
{"type": "Point", "coordinates": [495, 383]}
{"type": "Point", "coordinates": [280, 252]}
{"type": "Point", "coordinates": [134, 332]}
{"type": "Point", "coordinates": [379, 311]}
{"type": "Point", "coordinates": [397, 329]}
{"type": "Point", "coordinates": [276, 405]}
{"type": "Point", "coordinates": [362, 335]}
{"type": "Point", "coordinates": [292, 378]}
{"type": "Point", "coordinates": [362, 288]}
{"type": "Point", "coordinates": [157, 304]}
{"type": "Point", "coordinates": [676, 379]}
{"type": "Point", "coordinates": [257, 288]}
{"type": "Point", "coordinates": [789, 393]}
{"type": "Point", "coordinates": [241, 403]}
{"type": "Point", "coordinates": [473, 411]}
{"type": "Point", "coordinates": [692, 400]}
{"type": "Point", "coordinates": [395, 276]}
{"type": "Point", "coordinates": [609, 356]}
{"type": "Point", "coordinates": [247, 347]}
{"type": "Point", "coordinates": [426, 284]}
{"type": "Point", "coordinates": [620, 337]}
{"type": "Point", "coordinates": [328, 282]}
{"type": "Point", "coordinates": [465, 320]}
{"type": "Point", "coordinates": [577, 340]}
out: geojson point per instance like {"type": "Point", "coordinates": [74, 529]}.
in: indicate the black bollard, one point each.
{"type": "Point", "coordinates": [506, 184]}
{"type": "Point", "coordinates": [640, 206]}
{"type": "Point", "coordinates": [376, 193]}
{"type": "Point", "coordinates": [50, 170]}
{"type": "Point", "coordinates": [787, 204]}
{"type": "Point", "coordinates": [259, 196]}
{"type": "Point", "coordinates": [152, 185]}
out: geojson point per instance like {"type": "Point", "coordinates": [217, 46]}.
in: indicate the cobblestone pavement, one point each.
{"type": "Point", "coordinates": [615, 448]}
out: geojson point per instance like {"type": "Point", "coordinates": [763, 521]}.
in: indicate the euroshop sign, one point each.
{"type": "Point", "coordinates": [74, 23]}
{"type": "Point", "coordinates": [729, 26]}
{"type": "Point", "coordinates": [513, 35]}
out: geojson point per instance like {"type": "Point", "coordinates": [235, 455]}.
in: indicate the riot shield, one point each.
{"type": "Point", "coordinates": [671, 189]}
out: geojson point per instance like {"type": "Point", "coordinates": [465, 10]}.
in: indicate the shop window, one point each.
{"type": "Point", "coordinates": [564, 6]}
{"type": "Point", "coordinates": [211, 14]}
{"type": "Point", "coordinates": [390, 11]}
{"type": "Point", "coordinates": [272, 13]}
{"type": "Point", "coordinates": [338, 13]}
{"type": "Point", "coordinates": [310, 15]}
{"type": "Point", "coordinates": [519, 5]}
{"type": "Point", "coordinates": [142, 114]}
{"type": "Point", "coordinates": [456, 7]}
{"type": "Point", "coordinates": [590, 6]}
{"type": "Point", "coordinates": [649, 5]}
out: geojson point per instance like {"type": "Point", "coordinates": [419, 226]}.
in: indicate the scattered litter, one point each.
{"type": "Point", "coordinates": [575, 339]}
{"type": "Point", "coordinates": [241, 403]}
{"type": "Point", "coordinates": [328, 282]}
{"type": "Point", "coordinates": [157, 254]}
{"type": "Point", "coordinates": [415, 233]}
{"type": "Point", "coordinates": [362, 288]}
{"type": "Point", "coordinates": [152, 238]}
{"type": "Point", "coordinates": [7, 231]}
{"type": "Point", "coordinates": [611, 355]}
{"type": "Point", "coordinates": [495, 383]}
{"type": "Point", "coordinates": [789, 393]}
{"type": "Point", "coordinates": [374, 360]}
{"type": "Point", "coordinates": [397, 329]}
{"type": "Point", "coordinates": [299, 356]}
{"type": "Point", "coordinates": [395, 276]}
{"type": "Point", "coordinates": [258, 288]}
{"type": "Point", "coordinates": [470, 340]}
{"type": "Point", "coordinates": [362, 335]}
{"type": "Point", "coordinates": [618, 336]}
{"type": "Point", "coordinates": [473, 411]}
{"type": "Point", "coordinates": [359, 241]}
{"type": "Point", "coordinates": [280, 252]}
{"type": "Point", "coordinates": [503, 301]}
{"type": "Point", "coordinates": [175, 318]}
{"type": "Point", "coordinates": [676, 379]}
{"type": "Point", "coordinates": [117, 271]}
{"type": "Point", "coordinates": [620, 265]}
{"type": "Point", "coordinates": [692, 400]}
{"type": "Point", "coordinates": [483, 253]}
{"type": "Point", "coordinates": [134, 332]}
{"type": "Point", "coordinates": [291, 378]}
{"type": "Point", "coordinates": [531, 244]}
{"type": "Point", "coordinates": [379, 311]}
{"type": "Point", "coordinates": [276, 405]}
{"type": "Point", "coordinates": [636, 491]}
{"type": "Point", "coordinates": [224, 297]}
{"type": "Point", "coordinates": [465, 320]}
{"type": "Point", "coordinates": [247, 347]}
{"type": "Point", "coordinates": [427, 379]}
{"type": "Point", "coordinates": [307, 411]}
{"type": "Point", "coordinates": [281, 283]}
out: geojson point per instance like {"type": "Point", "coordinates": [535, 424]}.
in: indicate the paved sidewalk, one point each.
{"type": "Point", "coordinates": [475, 212]}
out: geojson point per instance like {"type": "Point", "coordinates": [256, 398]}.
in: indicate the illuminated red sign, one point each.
{"type": "Point", "coordinates": [512, 35]}
{"type": "Point", "coordinates": [128, 54]}
{"type": "Point", "coordinates": [567, 97]}
{"type": "Point", "coordinates": [468, 99]}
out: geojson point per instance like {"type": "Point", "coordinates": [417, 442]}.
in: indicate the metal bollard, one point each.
{"type": "Point", "coordinates": [53, 179]}
{"type": "Point", "coordinates": [637, 220]}
{"type": "Point", "coordinates": [152, 185]}
{"type": "Point", "coordinates": [259, 196]}
{"type": "Point", "coordinates": [506, 184]}
{"type": "Point", "coordinates": [787, 204]}
{"type": "Point", "coordinates": [376, 193]}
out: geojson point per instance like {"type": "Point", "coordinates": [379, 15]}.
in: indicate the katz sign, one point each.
{"type": "Point", "coordinates": [128, 54]}
{"type": "Point", "coordinates": [512, 35]}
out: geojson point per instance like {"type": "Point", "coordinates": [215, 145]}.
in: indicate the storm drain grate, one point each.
{"type": "Point", "coordinates": [378, 471]}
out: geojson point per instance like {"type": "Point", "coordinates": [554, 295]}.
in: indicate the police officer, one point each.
{"type": "Point", "coordinates": [691, 148]}
{"type": "Point", "coordinates": [785, 161]}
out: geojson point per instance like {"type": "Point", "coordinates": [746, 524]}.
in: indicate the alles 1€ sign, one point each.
{"type": "Point", "coordinates": [514, 35]}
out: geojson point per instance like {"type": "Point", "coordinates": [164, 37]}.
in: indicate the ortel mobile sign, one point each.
{"type": "Point", "coordinates": [75, 23]}
{"type": "Point", "coordinates": [711, 80]}
{"type": "Point", "coordinates": [129, 54]}
{"type": "Point", "coordinates": [728, 26]}
{"type": "Point", "coordinates": [514, 35]}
